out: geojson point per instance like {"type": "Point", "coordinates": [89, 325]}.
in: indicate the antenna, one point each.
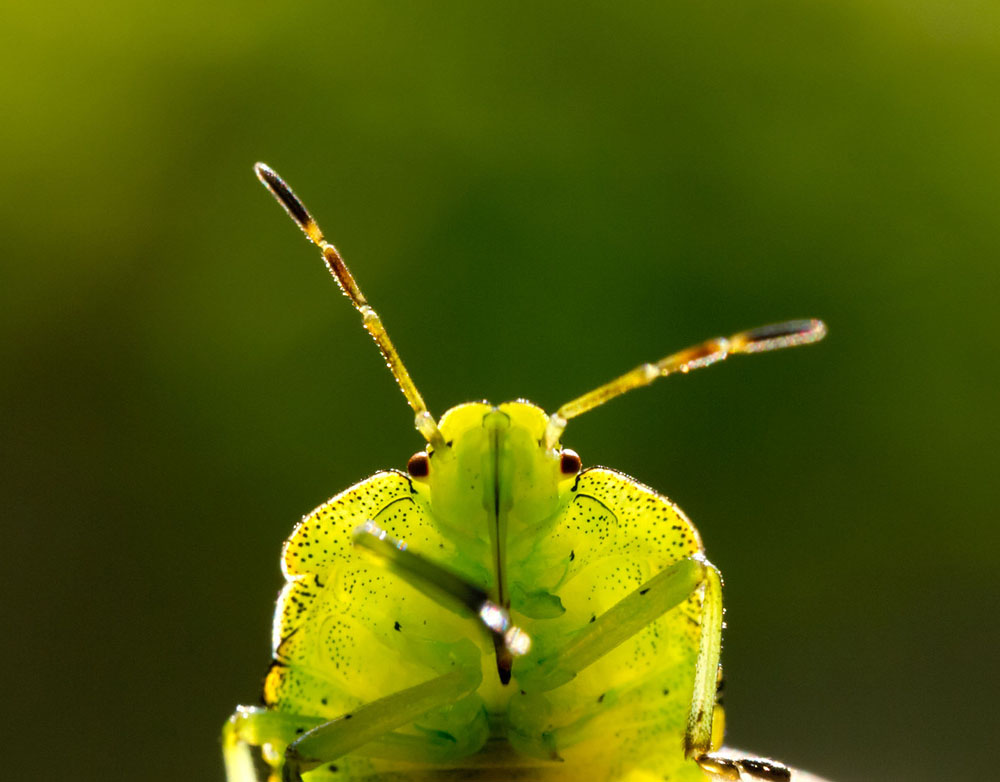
{"type": "Point", "coordinates": [423, 420]}
{"type": "Point", "coordinates": [763, 338]}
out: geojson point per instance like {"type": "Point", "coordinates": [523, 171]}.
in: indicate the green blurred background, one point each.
{"type": "Point", "coordinates": [536, 197]}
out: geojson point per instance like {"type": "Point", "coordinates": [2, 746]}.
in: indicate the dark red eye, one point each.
{"type": "Point", "coordinates": [419, 465]}
{"type": "Point", "coordinates": [569, 462]}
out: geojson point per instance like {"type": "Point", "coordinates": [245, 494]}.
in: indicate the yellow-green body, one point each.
{"type": "Point", "coordinates": [495, 508]}
{"type": "Point", "coordinates": [597, 653]}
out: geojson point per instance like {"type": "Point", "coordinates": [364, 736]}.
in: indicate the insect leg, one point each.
{"type": "Point", "coordinates": [732, 769]}
{"type": "Point", "coordinates": [667, 589]}
{"type": "Point", "coordinates": [700, 740]}
{"type": "Point", "coordinates": [551, 668]}
{"type": "Point", "coordinates": [254, 738]}
{"type": "Point", "coordinates": [372, 721]}
{"type": "Point", "coordinates": [446, 588]}
{"type": "Point", "coordinates": [698, 736]}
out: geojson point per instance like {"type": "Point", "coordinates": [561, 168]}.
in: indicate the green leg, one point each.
{"type": "Point", "coordinates": [666, 590]}
{"type": "Point", "coordinates": [373, 721]}
{"type": "Point", "coordinates": [296, 744]}
{"type": "Point", "coordinates": [698, 744]}
{"type": "Point", "coordinates": [255, 740]}
{"type": "Point", "coordinates": [698, 737]}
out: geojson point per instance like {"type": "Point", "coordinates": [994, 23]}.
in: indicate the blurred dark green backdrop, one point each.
{"type": "Point", "coordinates": [536, 197]}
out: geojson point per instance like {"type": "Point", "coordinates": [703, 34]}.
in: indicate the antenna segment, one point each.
{"type": "Point", "coordinates": [423, 420]}
{"type": "Point", "coordinates": [763, 338]}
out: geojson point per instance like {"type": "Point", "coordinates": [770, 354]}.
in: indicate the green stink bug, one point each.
{"type": "Point", "coordinates": [496, 611]}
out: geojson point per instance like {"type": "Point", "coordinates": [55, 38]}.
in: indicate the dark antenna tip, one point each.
{"type": "Point", "coordinates": [789, 334]}
{"type": "Point", "coordinates": [284, 195]}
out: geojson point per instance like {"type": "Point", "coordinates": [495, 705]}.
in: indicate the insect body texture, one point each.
{"type": "Point", "coordinates": [496, 611]}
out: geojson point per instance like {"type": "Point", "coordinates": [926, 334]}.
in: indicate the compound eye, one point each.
{"type": "Point", "coordinates": [569, 462]}
{"type": "Point", "coordinates": [419, 465]}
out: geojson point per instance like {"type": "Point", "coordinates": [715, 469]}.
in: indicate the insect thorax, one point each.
{"type": "Point", "coordinates": [558, 547]}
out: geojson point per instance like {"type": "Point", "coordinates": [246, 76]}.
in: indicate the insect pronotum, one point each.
{"type": "Point", "coordinates": [496, 611]}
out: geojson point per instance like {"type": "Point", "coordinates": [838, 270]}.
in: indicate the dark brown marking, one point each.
{"type": "Point", "coordinates": [284, 194]}
{"type": "Point", "coordinates": [505, 660]}
{"type": "Point", "coordinates": [699, 352]}
{"type": "Point", "coordinates": [569, 462]}
{"type": "Point", "coordinates": [791, 328]}
{"type": "Point", "coordinates": [767, 769]}
{"type": "Point", "coordinates": [419, 465]}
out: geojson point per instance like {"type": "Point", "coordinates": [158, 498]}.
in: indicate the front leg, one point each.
{"type": "Point", "coordinates": [699, 740]}
{"type": "Point", "coordinates": [376, 720]}
{"type": "Point", "coordinates": [668, 589]}
{"type": "Point", "coordinates": [253, 742]}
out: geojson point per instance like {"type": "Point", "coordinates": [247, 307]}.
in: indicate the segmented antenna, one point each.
{"type": "Point", "coordinates": [789, 334]}
{"type": "Point", "coordinates": [424, 421]}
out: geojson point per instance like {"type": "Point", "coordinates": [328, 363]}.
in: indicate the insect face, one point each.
{"type": "Point", "coordinates": [494, 460]}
